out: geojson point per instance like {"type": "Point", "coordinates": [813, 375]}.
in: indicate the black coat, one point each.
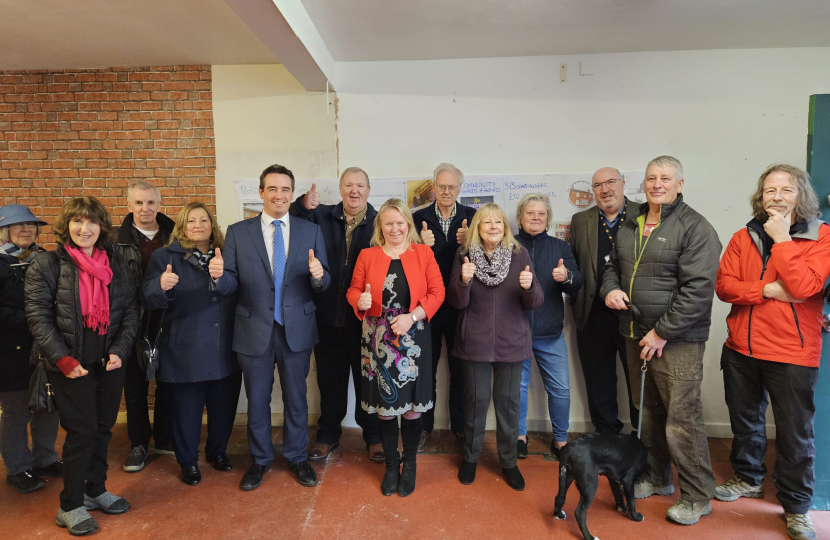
{"type": "Point", "coordinates": [445, 246]}
{"type": "Point", "coordinates": [53, 308]}
{"type": "Point", "coordinates": [332, 307]}
{"type": "Point", "coordinates": [15, 339]}
{"type": "Point", "coordinates": [197, 331]}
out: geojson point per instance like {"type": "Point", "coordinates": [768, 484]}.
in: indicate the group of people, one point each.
{"type": "Point", "coordinates": [375, 294]}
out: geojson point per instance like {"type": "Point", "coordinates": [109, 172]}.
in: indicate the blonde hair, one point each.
{"type": "Point", "coordinates": [400, 206]}
{"type": "Point", "coordinates": [532, 198]}
{"type": "Point", "coordinates": [217, 239]}
{"type": "Point", "coordinates": [474, 238]}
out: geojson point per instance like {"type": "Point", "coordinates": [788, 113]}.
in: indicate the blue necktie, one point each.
{"type": "Point", "coordinates": [279, 269]}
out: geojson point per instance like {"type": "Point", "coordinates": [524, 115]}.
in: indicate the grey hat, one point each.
{"type": "Point", "coordinates": [17, 213]}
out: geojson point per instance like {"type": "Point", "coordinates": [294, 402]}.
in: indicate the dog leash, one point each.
{"type": "Point", "coordinates": [642, 390]}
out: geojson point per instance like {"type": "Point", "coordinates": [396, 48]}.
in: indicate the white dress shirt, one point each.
{"type": "Point", "coordinates": [268, 235]}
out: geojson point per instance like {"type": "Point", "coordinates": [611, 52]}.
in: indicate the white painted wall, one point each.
{"type": "Point", "coordinates": [726, 114]}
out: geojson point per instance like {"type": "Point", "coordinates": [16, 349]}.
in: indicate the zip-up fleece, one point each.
{"type": "Point", "coordinates": [669, 276]}
{"type": "Point", "coordinates": [767, 329]}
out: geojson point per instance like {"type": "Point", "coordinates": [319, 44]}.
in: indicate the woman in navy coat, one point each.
{"type": "Point", "coordinates": [196, 363]}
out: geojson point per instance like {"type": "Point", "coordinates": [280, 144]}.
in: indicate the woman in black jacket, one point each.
{"type": "Point", "coordinates": [197, 365]}
{"type": "Point", "coordinates": [82, 310]}
{"type": "Point", "coordinates": [19, 230]}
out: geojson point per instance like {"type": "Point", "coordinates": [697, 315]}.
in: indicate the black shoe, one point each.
{"type": "Point", "coordinates": [521, 449]}
{"type": "Point", "coordinates": [467, 473]}
{"type": "Point", "coordinates": [391, 476]}
{"type": "Point", "coordinates": [253, 478]}
{"type": "Point", "coordinates": [514, 478]}
{"type": "Point", "coordinates": [54, 469]}
{"type": "Point", "coordinates": [25, 482]}
{"type": "Point", "coordinates": [164, 449]}
{"type": "Point", "coordinates": [191, 475]}
{"type": "Point", "coordinates": [221, 462]}
{"type": "Point", "coordinates": [136, 460]}
{"type": "Point", "coordinates": [554, 450]}
{"type": "Point", "coordinates": [406, 483]}
{"type": "Point", "coordinates": [305, 473]}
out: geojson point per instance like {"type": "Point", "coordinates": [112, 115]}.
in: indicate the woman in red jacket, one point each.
{"type": "Point", "coordinates": [396, 288]}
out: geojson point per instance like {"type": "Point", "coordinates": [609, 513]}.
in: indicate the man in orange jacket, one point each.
{"type": "Point", "coordinates": [773, 273]}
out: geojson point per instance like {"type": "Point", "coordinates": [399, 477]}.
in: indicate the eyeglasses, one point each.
{"type": "Point", "coordinates": [447, 189]}
{"type": "Point", "coordinates": [610, 183]}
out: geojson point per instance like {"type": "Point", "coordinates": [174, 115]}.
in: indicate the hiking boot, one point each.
{"type": "Point", "coordinates": [687, 512]}
{"type": "Point", "coordinates": [136, 460]}
{"type": "Point", "coordinates": [799, 526]}
{"type": "Point", "coordinates": [735, 488]}
{"type": "Point", "coordinates": [643, 488]}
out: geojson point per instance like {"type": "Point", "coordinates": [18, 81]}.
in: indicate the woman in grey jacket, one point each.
{"type": "Point", "coordinates": [492, 284]}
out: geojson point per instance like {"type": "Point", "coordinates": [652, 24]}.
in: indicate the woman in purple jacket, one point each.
{"type": "Point", "coordinates": [492, 284]}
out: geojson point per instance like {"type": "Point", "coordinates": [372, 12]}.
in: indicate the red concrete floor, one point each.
{"type": "Point", "coordinates": [347, 503]}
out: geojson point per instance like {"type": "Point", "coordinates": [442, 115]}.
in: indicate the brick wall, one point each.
{"type": "Point", "coordinates": [94, 132]}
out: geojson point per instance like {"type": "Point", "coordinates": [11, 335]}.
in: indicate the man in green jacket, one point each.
{"type": "Point", "coordinates": [661, 280]}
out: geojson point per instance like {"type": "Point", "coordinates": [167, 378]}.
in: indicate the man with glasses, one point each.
{"type": "Point", "coordinates": [660, 278]}
{"type": "Point", "coordinates": [593, 234]}
{"type": "Point", "coordinates": [443, 226]}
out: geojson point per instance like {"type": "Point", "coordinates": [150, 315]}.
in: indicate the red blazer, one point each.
{"type": "Point", "coordinates": [422, 274]}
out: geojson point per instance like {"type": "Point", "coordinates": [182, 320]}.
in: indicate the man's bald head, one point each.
{"type": "Point", "coordinates": [609, 190]}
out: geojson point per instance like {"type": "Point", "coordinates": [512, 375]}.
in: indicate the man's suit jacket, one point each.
{"type": "Point", "coordinates": [583, 241]}
{"type": "Point", "coordinates": [248, 269]}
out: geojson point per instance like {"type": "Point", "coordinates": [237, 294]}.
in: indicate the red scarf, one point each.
{"type": "Point", "coordinates": [94, 275]}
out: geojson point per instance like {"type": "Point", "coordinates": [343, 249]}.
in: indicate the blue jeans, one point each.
{"type": "Point", "coordinates": [552, 358]}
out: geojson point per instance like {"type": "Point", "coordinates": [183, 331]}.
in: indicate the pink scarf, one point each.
{"type": "Point", "coordinates": [93, 277]}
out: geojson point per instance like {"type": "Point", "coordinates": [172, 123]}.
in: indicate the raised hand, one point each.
{"type": "Point", "coordinates": [778, 225]}
{"type": "Point", "coordinates": [526, 278]}
{"type": "Point", "coordinates": [168, 279]}
{"type": "Point", "coordinates": [468, 270]}
{"type": "Point", "coordinates": [427, 236]}
{"type": "Point", "coordinates": [461, 235]}
{"type": "Point", "coordinates": [314, 266]}
{"type": "Point", "coordinates": [312, 198]}
{"type": "Point", "coordinates": [616, 299]}
{"type": "Point", "coordinates": [364, 303]}
{"type": "Point", "coordinates": [216, 266]}
{"type": "Point", "coordinates": [560, 273]}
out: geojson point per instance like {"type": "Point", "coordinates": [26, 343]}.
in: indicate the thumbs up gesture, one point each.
{"type": "Point", "coordinates": [216, 266]}
{"type": "Point", "coordinates": [312, 198]}
{"type": "Point", "coordinates": [461, 235]}
{"type": "Point", "coordinates": [427, 236]}
{"type": "Point", "coordinates": [560, 273]}
{"type": "Point", "coordinates": [168, 279]}
{"type": "Point", "coordinates": [526, 278]}
{"type": "Point", "coordinates": [314, 266]}
{"type": "Point", "coordinates": [364, 303]}
{"type": "Point", "coordinates": [468, 270]}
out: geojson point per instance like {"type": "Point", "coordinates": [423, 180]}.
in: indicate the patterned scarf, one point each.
{"type": "Point", "coordinates": [20, 253]}
{"type": "Point", "coordinates": [491, 272]}
{"type": "Point", "coordinates": [197, 258]}
{"type": "Point", "coordinates": [94, 275]}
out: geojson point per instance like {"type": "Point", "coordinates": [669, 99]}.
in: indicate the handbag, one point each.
{"type": "Point", "coordinates": [41, 396]}
{"type": "Point", "coordinates": [147, 353]}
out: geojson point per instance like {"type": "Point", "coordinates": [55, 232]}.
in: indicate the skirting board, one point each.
{"type": "Point", "coordinates": [719, 431]}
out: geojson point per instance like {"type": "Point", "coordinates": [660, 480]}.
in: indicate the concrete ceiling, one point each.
{"type": "Point", "coordinates": [366, 30]}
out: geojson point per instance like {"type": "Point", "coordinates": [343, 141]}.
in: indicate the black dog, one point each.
{"type": "Point", "coordinates": [622, 458]}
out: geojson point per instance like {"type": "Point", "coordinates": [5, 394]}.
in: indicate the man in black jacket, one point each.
{"type": "Point", "coordinates": [443, 226]}
{"type": "Point", "coordinates": [347, 228]}
{"type": "Point", "coordinates": [142, 231]}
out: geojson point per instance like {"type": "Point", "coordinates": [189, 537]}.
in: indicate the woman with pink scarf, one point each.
{"type": "Point", "coordinates": [82, 310]}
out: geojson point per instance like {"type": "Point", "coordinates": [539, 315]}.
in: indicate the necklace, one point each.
{"type": "Point", "coordinates": [604, 223]}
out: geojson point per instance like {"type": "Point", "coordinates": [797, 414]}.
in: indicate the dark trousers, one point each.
{"type": "Point", "coordinates": [88, 407]}
{"type": "Point", "coordinates": [338, 354]}
{"type": "Point", "coordinates": [188, 401]}
{"type": "Point", "coordinates": [791, 390]}
{"type": "Point", "coordinates": [506, 382]}
{"type": "Point", "coordinates": [673, 430]}
{"type": "Point", "coordinates": [258, 376]}
{"type": "Point", "coordinates": [139, 429]}
{"type": "Point", "coordinates": [443, 324]}
{"type": "Point", "coordinates": [598, 344]}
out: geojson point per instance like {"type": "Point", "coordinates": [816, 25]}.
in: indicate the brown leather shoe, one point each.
{"type": "Point", "coordinates": [376, 453]}
{"type": "Point", "coordinates": [321, 450]}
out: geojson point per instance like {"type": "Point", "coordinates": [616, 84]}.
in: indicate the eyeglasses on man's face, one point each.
{"type": "Point", "coordinates": [446, 189]}
{"type": "Point", "coordinates": [610, 183]}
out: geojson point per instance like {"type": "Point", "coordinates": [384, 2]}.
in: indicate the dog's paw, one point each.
{"type": "Point", "coordinates": [559, 515]}
{"type": "Point", "coordinates": [637, 516]}
{"type": "Point", "coordinates": [622, 508]}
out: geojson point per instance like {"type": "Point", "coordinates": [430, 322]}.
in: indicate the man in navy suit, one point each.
{"type": "Point", "coordinates": [275, 262]}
